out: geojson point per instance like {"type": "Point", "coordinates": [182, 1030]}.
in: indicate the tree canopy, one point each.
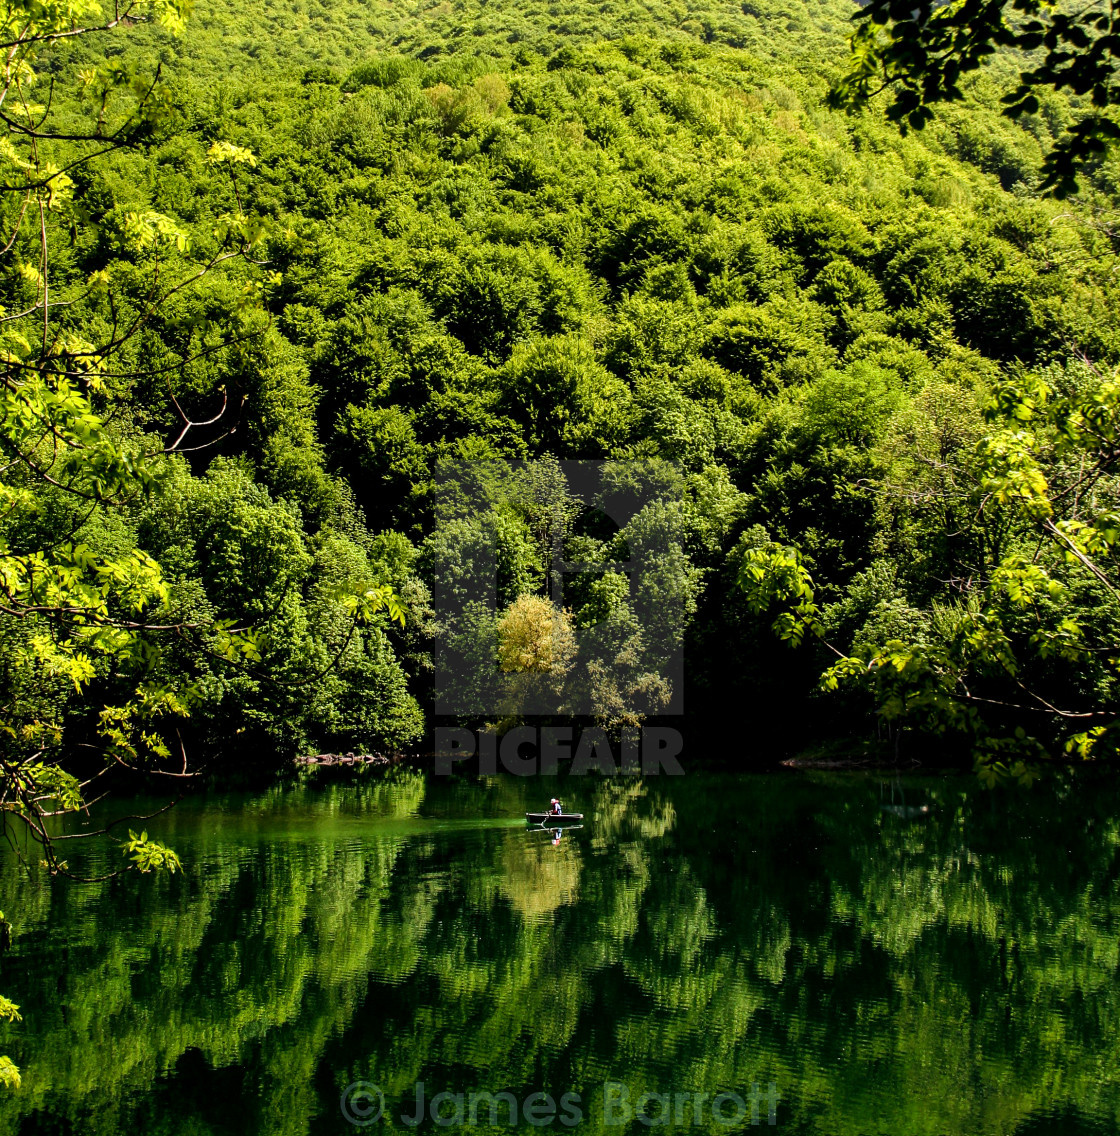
{"type": "Point", "coordinates": [251, 308]}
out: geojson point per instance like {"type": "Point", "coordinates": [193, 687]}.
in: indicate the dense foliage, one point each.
{"type": "Point", "coordinates": [260, 282]}
{"type": "Point", "coordinates": [882, 365]}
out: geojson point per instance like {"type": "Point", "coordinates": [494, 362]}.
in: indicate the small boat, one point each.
{"type": "Point", "coordinates": [549, 819]}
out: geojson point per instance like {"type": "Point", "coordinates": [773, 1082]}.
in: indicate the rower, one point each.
{"type": "Point", "coordinates": [555, 807]}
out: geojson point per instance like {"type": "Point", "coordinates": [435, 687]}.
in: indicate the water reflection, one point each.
{"type": "Point", "coordinates": [910, 957]}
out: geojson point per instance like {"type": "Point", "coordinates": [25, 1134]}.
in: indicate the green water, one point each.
{"type": "Point", "coordinates": [901, 957]}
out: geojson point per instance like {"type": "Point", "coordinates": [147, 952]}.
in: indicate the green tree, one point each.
{"type": "Point", "coordinates": [921, 53]}
{"type": "Point", "coordinates": [1022, 652]}
{"type": "Point", "coordinates": [83, 609]}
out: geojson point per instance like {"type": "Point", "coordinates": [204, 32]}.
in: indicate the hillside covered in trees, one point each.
{"type": "Point", "coordinates": [881, 365]}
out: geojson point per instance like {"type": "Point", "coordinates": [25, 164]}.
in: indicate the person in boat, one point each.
{"type": "Point", "coordinates": [555, 808]}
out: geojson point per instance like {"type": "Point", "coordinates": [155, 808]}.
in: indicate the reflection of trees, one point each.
{"type": "Point", "coordinates": [538, 877]}
{"type": "Point", "coordinates": [937, 975]}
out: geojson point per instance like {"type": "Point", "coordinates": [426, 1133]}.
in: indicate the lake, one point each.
{"type": "Point", "coordinates": [830, 953]}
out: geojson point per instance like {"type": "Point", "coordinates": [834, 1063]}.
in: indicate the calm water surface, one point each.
{"type": "Point", "coordinates": [846, 953]}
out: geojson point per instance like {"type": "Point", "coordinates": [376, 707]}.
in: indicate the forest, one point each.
{"type": "Point", "coordinates": [280, 274]}
{"type": "Point", "coordinates": [745, 373]}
